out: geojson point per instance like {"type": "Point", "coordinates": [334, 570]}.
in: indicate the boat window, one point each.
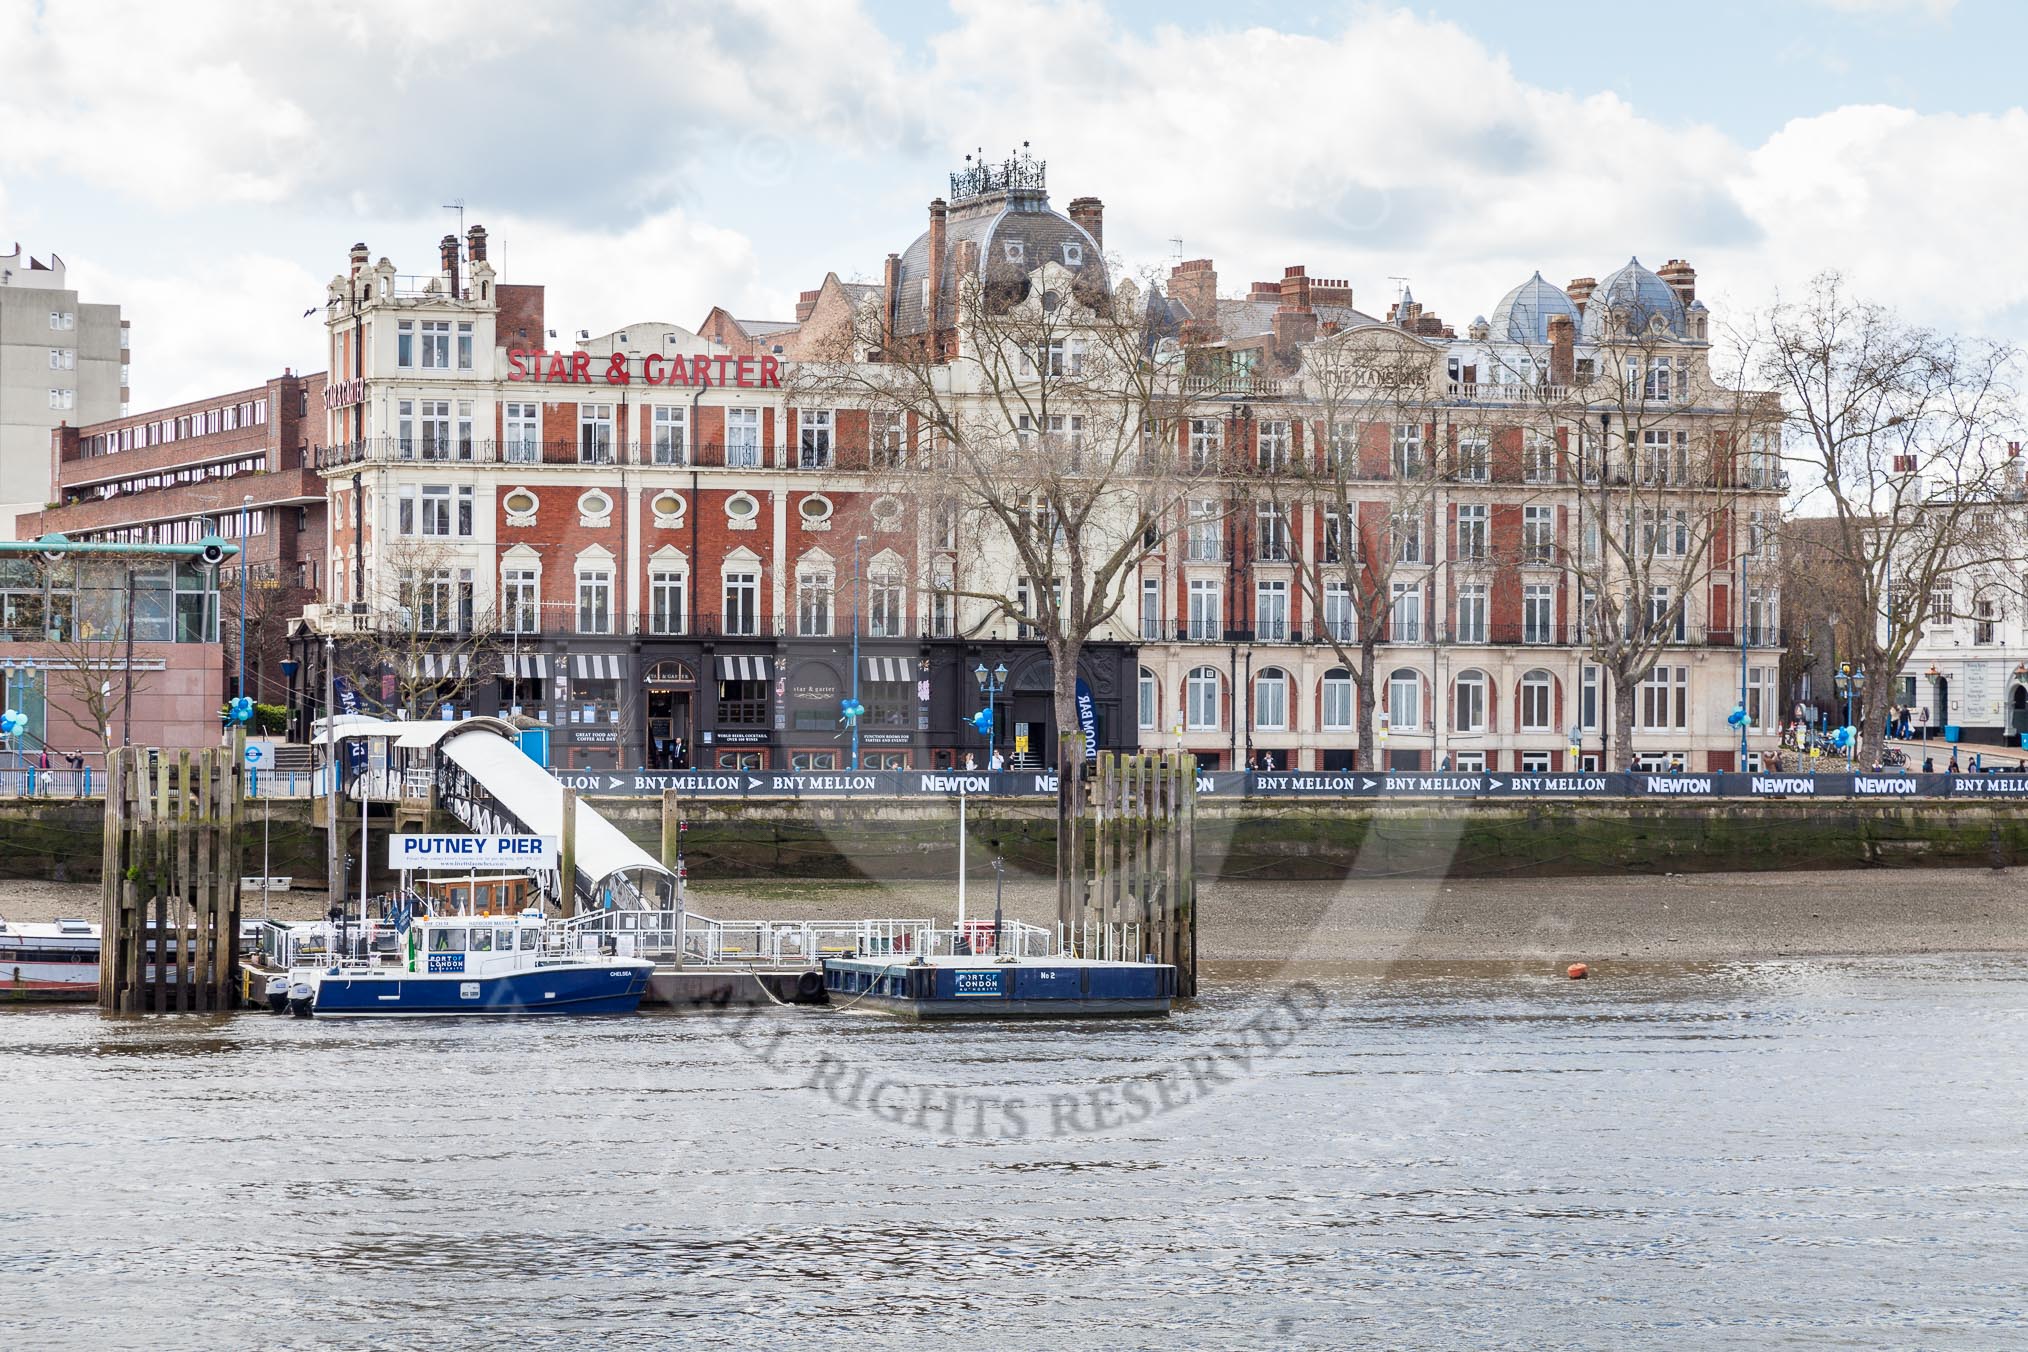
{"type": "Point", "coordinates": [528, 938]}
{"type": "Point", "coordinates": [446, 940]}
{"type": "Point", "coordinates": [482, 939]}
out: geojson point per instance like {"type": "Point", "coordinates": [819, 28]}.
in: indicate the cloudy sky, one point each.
{"type": "Point", "coordinates": [206, 166]}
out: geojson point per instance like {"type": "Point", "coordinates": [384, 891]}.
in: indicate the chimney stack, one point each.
{"type": "Point", "coordinates": [1195, 284]}
{"type": "Point", "coordinates": [1562, 350]}
{"type": "Point", "coordinates": [475, 244]}
{"type": "Point", "coordinates": [890, 296]}
{"type": "Point", "coordinates": [1580, 290]}
{"type": "Point", "coordinates": [806, 305]}
{"type": "Point", "coordinates": [449, 249]}
{"type": "Point", "coordinates": [359, 258]}
{"type": "Point", "coordinates": [933, 305]}
{"type": "Point", "coordinates": [1682, 278]}
{"type": "Point", "coordinates": [1295, 323]}
{"type": "Point", "coordinates": [1090, 213]}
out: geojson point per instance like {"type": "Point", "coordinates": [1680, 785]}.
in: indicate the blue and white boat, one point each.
{"type": "Point", "coordinates": [477, 964]}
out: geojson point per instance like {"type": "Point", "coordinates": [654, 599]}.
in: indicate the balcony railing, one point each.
{"type": "Point", "coordinates": [1507, 634]}
{"type": "Point", "coordinates": [697, 455]}
{"type": "Point", "coordinates": [1233, 386]}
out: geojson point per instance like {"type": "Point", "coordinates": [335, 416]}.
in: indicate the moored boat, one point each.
{"type": "Point", "coordinates": [475, 964]}
{"type": "Point", "coordinates": [56, 960]}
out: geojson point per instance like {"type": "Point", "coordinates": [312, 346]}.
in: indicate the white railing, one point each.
{"type": "Point", "coordinates": [710, 942]}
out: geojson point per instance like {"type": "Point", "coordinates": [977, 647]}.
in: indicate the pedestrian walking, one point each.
{"type": "Point", "coordinates": [1929, 765]}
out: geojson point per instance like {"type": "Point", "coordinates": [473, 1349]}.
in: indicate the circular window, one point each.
{"type": "Point", "coordinates": [667, 504]}
{"type": "Point", "coordinates": [887, 508]}
{"type": "Point", "coordinates": [815, 508]}
{"type": "Point", "coordinates": [520, 502]}
{"type": "Point", "coordinates": [1050, 300]}
{"type": "Point", "coordinates": [741, 507]}
{"type": "Point", "coordinates": [595, 503]}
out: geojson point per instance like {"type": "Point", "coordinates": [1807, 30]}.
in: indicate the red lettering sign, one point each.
{"type": "Point", "coordinates": [574, 368]}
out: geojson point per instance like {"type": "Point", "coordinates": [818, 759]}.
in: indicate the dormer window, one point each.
{"type": "Point", "coordinates": [1015, 250]}
{"type": "Point", "coordinates": [1073, 255]}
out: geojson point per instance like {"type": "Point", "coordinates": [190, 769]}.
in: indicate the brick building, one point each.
{"type": "Point", "coordinates": [644, 540]}
{"type": "Point", "coordinates": [634, 538]}
{"type": "Point", "coordinates": [239, 465]}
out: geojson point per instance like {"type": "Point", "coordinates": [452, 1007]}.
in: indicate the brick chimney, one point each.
{"type": "Point", "coordinates": [1330, 291]}
{"type": "Point", "coordinates": [1562, 350]}
{"type": "Point", "coordinates": [1296, 321]}
{"type": "Point", "coordinates": [932, 311]}
{"type": "Point", "coordinates": [448, 248]}
{"type": "Point", "coordinates": [1090, 213]}
{"type": "Point", "coordinates": [890, 289]}
{"type": "Point", "coordinates": [1580, 290]}
{"type": "Point", "coordinates": [1681, 277]}
{"type": "Point", "coordinates": [1195, 283]}
{"type": "Point", "coordinates": [475, 244]}
{"type": "Point", "coordinates": [360, 256]}
{"type": "Point", "coordinates": [806, 305]}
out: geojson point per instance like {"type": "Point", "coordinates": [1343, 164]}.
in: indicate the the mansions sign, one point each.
{"type": "Point", "coordinates": [575, 368]}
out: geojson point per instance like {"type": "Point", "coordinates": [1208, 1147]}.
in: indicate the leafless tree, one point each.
{"type": "Point", "coordinates": [84, 613]}
{"type": "Point", "coordinates": [1356, 497]}
{"type": "Point", "coordinates": [1049, 425]}
{"type": "Point", "coordinates": [424, 641]}
{"type": "Point", "coordinates": [1897, 434]}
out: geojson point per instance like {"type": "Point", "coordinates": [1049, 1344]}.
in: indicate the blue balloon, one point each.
{"type": "Point", "coordinates": [1738, 715]}
{"type": "Point", "coordinates": [983, 721]}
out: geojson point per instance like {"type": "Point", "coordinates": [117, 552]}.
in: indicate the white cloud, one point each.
{"type": "Point", "coordinates": [650, 164]}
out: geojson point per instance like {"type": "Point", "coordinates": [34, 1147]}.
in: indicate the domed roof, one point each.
{"type": "Point", "coordinates": [1634, 295]}
{"type": "Point", "coordinates": [1015, 234]}
{"type": "Point", "coordinates": [1523, 314]}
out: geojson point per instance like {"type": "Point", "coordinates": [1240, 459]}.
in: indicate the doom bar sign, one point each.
{"type": "Point", "coordinates": [575, 368]}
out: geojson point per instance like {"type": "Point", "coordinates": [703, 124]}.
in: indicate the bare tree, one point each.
{"type": "Point", "coordinates": [425, 641]}
{"type": "Point", "coordinates": [83, 616]}
{"type": "Point", "coordinates": [1364, 479]}
{"type": "Point", "coordinates": [1659, 453]}
{"type": "Point", "coordinates": [1896, 433]}
{"type": "Point", "coordinates": [1049, 423]}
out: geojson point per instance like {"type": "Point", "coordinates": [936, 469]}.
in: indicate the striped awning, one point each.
{"type": "Point", "coordinates": [888, 669]}
{"type": "Point", "coordinates": [524, 666]}
{"type": "Point", "coordinates": [742, 667]}
{"type": "Point", "coordinates": [596, 666]}
{"type": "Point", "coordinates": [443, 666]}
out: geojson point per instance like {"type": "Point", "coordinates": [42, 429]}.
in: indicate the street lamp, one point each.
{"type": "Point", "coordinates": [990, 685]}
{"type": "Point", "coordinates": [1934, 676]}
{"type": "Point", "coordinates": [854, 709]}
{"type": "Point", "coordinates": [1849, 683]}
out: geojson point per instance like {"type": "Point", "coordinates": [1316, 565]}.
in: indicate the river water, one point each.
{"type": "Point", "coordinates": [1804, 1154]}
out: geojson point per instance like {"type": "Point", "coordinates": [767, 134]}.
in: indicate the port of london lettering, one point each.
{"type": "Point", "coordinates": [576, 368]}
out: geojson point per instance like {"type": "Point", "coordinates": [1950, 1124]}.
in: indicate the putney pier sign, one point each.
{"type": "Point", "coordinates": [1502, 785]}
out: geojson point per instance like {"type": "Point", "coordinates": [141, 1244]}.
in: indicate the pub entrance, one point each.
{"type": "Point", "coordinates": [669, 731]}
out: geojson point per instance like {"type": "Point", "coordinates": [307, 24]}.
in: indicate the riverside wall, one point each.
{"type": "Point", "coordinates": [59, 840]}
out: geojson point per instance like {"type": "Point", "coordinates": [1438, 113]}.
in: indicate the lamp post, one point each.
{"type": "Point", "coordinates": [1849, 683]}
{"type": "Point", "coordinates": [857, 584]}
{"type": "Point", "coordinates": [245, 504]}
{"type": "Point", "coordinates": [990, 685]}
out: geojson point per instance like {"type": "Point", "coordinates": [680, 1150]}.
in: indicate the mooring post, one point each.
{"type": "Point", "coordinates": [566, 857]}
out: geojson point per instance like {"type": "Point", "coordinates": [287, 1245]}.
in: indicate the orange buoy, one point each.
{"type": "Point", "coordinates": [1577, 971]}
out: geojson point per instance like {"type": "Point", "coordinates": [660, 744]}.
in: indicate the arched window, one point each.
{"type": "Point", "coordinates": [1338, 700]}
{"type": "Point", "coordinates": [1404, 700]}
{"type": "Point", "coordinates": [1150, 700]}
{"type": "Point", "coordinates": [1201, 693]}
{"type": "Point", "coordinates": [815, 585]}
{"type": "Point", "coordinates": [1470, 701]}
{"type": "Point", "coordinates": [1271, 700]}
{"type": "Point", "coordinates": [1538, 702]}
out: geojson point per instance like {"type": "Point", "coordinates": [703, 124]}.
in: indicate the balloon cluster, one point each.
{"type": "Point", "coordinates": [241, 710]}
{"type": "Point", "coordinates": [1845, 738]}
{"type": "Point", "coordinates": [983, 721]}
{"type": "Point", "coordinates": [851, 710]}
{"type": "Point", "coordinates": [13, 723]}
{"type": "Point", "coordinates": [1737, 718]}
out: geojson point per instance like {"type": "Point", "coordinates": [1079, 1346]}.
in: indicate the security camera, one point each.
{"type": "Point", "coordinates": [212, 550]}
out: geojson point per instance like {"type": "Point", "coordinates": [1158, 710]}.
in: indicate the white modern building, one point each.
{"type": "Point", "coordinates": [61, 361]}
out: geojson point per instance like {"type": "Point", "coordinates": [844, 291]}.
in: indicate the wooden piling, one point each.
{"type": "Point", "coordinates": [1141, 813]}
{"type": "Point", "coordinates": [171, 856]}
{"type": "Point", "coordinates": [566, 855]}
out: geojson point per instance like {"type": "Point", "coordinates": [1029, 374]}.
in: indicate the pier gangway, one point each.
{"type": "Point", "coordinates": [481, 777]}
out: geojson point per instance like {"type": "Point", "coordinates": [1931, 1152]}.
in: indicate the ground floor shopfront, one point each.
{"type": "Point", "coordinates": [764, 703]}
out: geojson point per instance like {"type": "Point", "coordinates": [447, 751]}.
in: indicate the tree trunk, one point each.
{"type": "Point", "coordinates": [1067, 763]}
{"type": "Point", "coordinates": [1367, 756]}
{"type": "Point", "coordinates": [1866, 699]}
{"type": "Point", "coordinates": [1623, 724]}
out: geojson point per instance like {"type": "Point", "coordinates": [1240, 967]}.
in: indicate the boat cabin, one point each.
{"type": "Point", "coordinates": [474, 945]}
{"type": "Point", "coordinates": [503, 893]}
